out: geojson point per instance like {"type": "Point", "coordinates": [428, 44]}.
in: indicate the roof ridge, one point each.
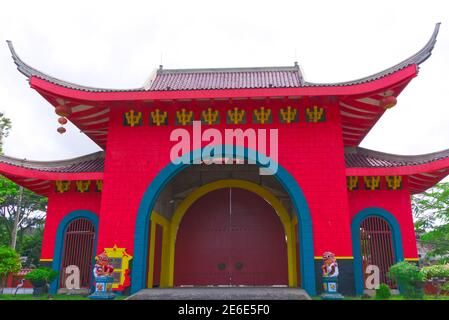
{"type": "Point", "coordinates": [232, 69]}
{"type": "Point", "coordinates": [52, 163]}
{"type": "Point", "coordinates": [398, 157]}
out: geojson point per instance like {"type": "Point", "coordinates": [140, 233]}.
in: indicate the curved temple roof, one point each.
{"type": "Point", "coordinates": [359, 101]}
{"type": "Point", "coordinates": [89, 163]}
{"type": "Point", "coordinates": [37, 176]}
{"type": "Point", "coordinates": [423, 171]}
{"type": "Point", "coordinates": [230, 78]}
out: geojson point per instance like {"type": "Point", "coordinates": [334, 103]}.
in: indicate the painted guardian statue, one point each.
{"type": "Point", "coordinates": [330, 277]}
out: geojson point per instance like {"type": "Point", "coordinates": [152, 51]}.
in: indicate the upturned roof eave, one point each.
{"type": "Point", "coordinates": [416, 59]}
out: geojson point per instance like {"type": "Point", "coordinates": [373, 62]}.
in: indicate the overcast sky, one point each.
{"type": "Point", "coordinates": [117, 44]}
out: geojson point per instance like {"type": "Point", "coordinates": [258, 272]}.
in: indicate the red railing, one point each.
{"type": "Point", "coordinates": [376, 244]}
{"type": "Point", "coordinates": [14, 279]}
{"type": "Point", "coordinates": [79, 241]}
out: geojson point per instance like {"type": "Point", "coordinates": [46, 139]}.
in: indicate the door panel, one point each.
{"type": "Point", "coordinates": [258, 244]}
{"type": "Point", "coordinates": [202, 242]}
{"type": "Point", "coordinates": [231, 237]}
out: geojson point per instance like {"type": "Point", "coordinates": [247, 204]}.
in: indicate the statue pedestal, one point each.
{"type": "Point", "coordinates": [103, 288]}
{"type": "Point", "coordinates": [330, 286]}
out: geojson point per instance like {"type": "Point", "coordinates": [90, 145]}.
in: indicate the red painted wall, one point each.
{"type": "Point", "coordinates": [311, 152]}
{"type": "Point", "coordinates": [61, 204]}
{"type": "Point", "coordinates": [397, 203]}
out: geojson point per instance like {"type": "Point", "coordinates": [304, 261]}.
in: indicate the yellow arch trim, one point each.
{"type": "Point", "coordinates": [156, 218]}
{"type": "Point", "coordinates": [246, 185]}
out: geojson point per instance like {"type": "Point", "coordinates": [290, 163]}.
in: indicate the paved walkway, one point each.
{"type": "Point", "coordinates": [221, 293]}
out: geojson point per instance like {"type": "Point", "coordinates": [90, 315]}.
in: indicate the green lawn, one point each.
{"type": "Point", "coordinates": [45, 297]}
{"type": "Point", "coordinates": [74, 297]}
{"type": "Point", "coordinates": [395, 297]}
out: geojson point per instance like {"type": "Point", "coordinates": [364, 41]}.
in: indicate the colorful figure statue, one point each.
{"type": "Point", "coordinates": [330, 277]}
{"type": "Point", "coordinates": [330, 265]}
{"type": "Point", "coordinates": [102, 267]}
{"type": "Point", "coordinates": [103, 280]}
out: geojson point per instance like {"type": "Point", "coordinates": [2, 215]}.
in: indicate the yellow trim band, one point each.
{"type": "Point", "coordinates": [411, 259]}
{"type": "Point", "coordinates": [246, 185]}
{"type": "Point", "coordinates": [46, 260]}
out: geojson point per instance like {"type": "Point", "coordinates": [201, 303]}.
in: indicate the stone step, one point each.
{"type": "Point", "coordinates": [221, 293]}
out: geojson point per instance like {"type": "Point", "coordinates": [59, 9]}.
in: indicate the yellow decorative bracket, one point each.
{"type": "Point", "coordinates": [372, 183]}
{"type": "Point", "coordinates": [184, 117]}
{"type": "Point", "coordinates": [132, 118]}
{"type": "Point", "coordinates": [99, 185]}
{"type": "Point", "coordinates": [236, 116]}
{"type": "Point", "coordinates": [288, 115]}
{"type": "Point", "coordinates": [62, 186]}
{"type": "Point", "coordinates": [394, 182]}
{"type": "Point", "coordinates": [262, 115]}
{"type": "Point", "coordinates": [352, 183]}
{"type": "Point", "coordinates": [158, 117]}
{"type": "Point", "coordinates": [315, 114]}
{"type": "Point", "coordinates": [210, 116]}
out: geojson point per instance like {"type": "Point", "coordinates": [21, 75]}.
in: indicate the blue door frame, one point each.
{"type": "Point", "coordinates": [355, 232]}
{"type": "Point", "coordinates": [59, 244]}
{"type": "Point", "coordinates": [150, 196]}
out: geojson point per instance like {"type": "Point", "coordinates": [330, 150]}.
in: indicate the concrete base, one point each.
{"type": "Point", "coordinates": [77, 292]}
{"type": "Point", "coordinates": [372, 293]}
{"type": "Point", "coordinates": [221, 293]}
{"type": "Point", "coordinates": [19, 291]}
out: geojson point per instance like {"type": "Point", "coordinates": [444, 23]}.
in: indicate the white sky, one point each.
{"type": "Point", "coordinates": [117, 44]}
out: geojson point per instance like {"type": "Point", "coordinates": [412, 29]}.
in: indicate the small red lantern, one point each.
{"type": "Point", "coordinates": [61, 130]}
{"type": "Point", "coordinates": [388, 102]}
{"type": "Point", "coordinates": [62, 121]}
{"type": "Point", "coordinates": [63, 110]}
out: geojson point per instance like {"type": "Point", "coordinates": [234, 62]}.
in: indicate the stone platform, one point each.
{"type": "Point", "coordinates": [221, 293]}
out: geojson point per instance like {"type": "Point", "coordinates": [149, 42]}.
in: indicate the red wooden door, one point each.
{"type": "Point", "coordinates": [258, 243]}
{"type": "Point", "coordinates": [202, 242]}
{"type": "Point", "coordinates": [231, 237]}
{"type": "Point", "coordinates": [79, 243]}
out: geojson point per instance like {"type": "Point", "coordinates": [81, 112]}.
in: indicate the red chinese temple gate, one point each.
{"type": "Point", "coordinates": [332, 192]}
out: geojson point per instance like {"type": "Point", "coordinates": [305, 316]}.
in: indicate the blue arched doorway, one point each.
{"type": "Point", "coordinates": [295, 193]}
{"type": "Point", "coordinates": [73, 220]}
{"type": "Point", "coordinates": [385, 221]}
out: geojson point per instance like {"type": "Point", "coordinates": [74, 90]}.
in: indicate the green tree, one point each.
{"type": "Point", "coordinates": [431, 214]}
{"type": "Point", "coordinates": [31, 216]}
{"type": "Point", "coordinates": [9, 263]}
{"type": "Point", "coordinates": [5, 126]}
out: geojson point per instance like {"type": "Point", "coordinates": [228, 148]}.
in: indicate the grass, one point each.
{"type": "Point", "coordinates": [45, 297]}
{"type": "Point", "coordinates": [395, 297]}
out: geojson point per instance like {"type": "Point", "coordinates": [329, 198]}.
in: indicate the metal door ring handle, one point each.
{"type": "Point", "coordinates": [238, 265]}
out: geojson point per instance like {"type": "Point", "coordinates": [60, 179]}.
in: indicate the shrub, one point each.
{"type": "Point", "coordinates": [435, 271]}
{"type": "Point", "coordinates": [45, 275]}
{"type": "Point", "coordinates": [383, 292]}
{"type": "Point", "coordinates": [445, 287]}
{"type": "Point", "coordinates": [9, 263]}
{"type": "Point", "coordinates": [409, 279]}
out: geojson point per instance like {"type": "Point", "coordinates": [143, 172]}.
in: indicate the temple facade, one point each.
{"type": "Point", "coordinates": [271, 176]}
